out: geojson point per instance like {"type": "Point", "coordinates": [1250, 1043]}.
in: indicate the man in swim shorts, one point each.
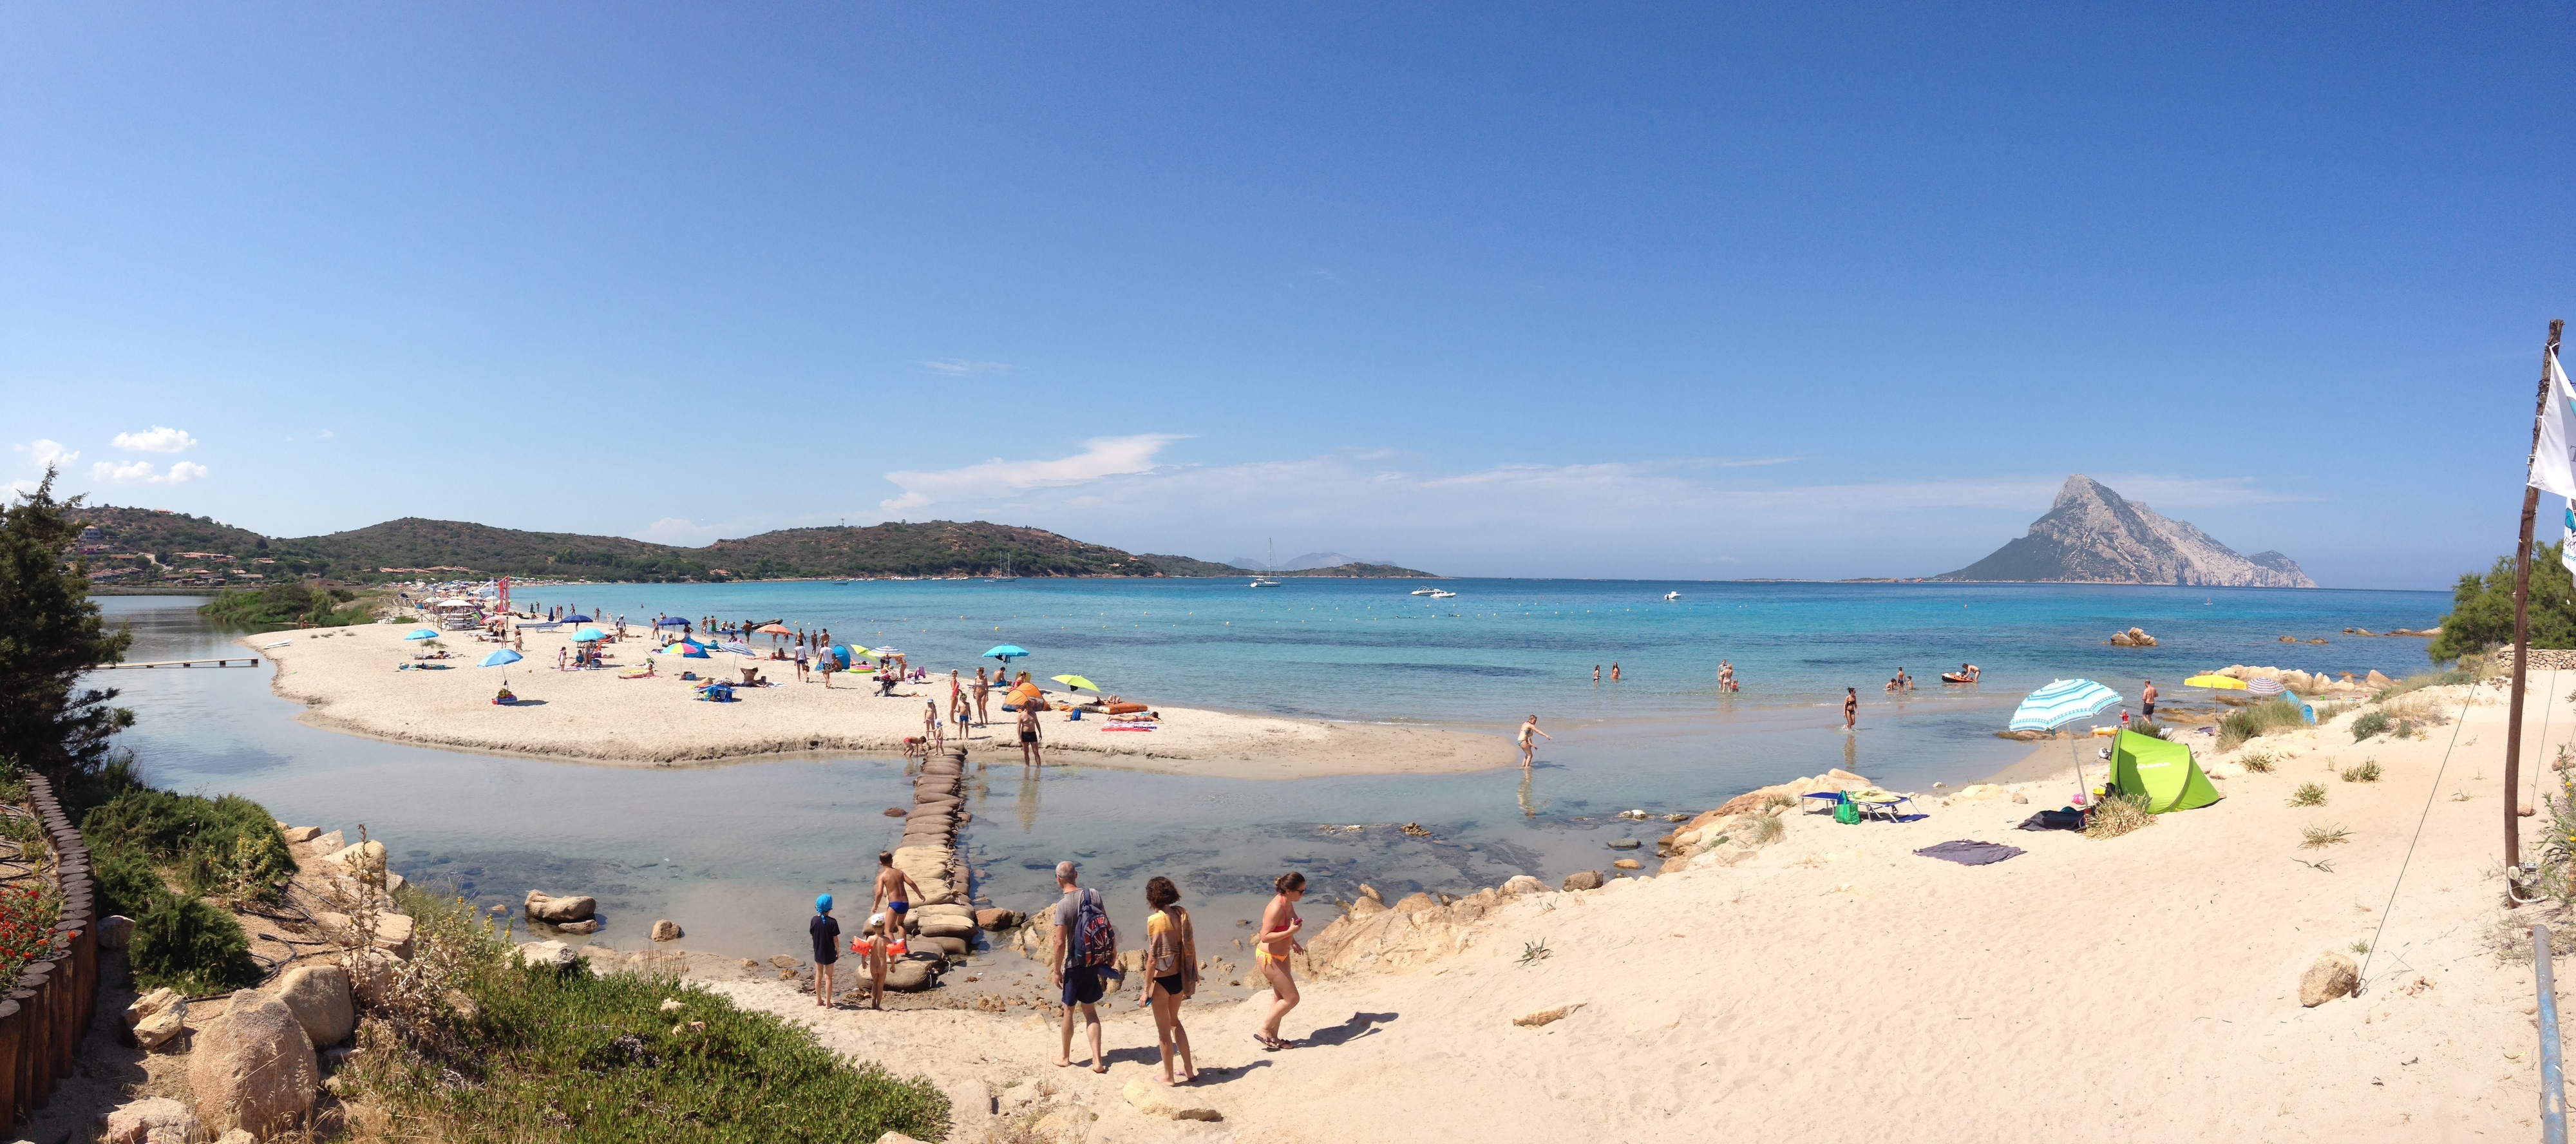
{"type": "Point", "coordinates": [1030, 753]}
{"type": "Point", "coordinates": [1082, 984]}
{"type": "Point", "coordinates": [2148, 696]}
{"type": "Point", "coordinates": [891, 885]}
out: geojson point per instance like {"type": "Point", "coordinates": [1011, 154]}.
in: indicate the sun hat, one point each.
{"type": "Point", "coordinates": [822, 903]}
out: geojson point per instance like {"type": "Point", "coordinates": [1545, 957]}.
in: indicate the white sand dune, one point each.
{"type": "Point", "coordinates": [349, 682]}
{"type": "Point", "coordinates": [1834, 986]}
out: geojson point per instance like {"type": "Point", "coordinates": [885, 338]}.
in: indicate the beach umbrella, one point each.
{"type": "Point", "coordinates": [2062, 702]}
{"type": "Point", "coordinates": [2216, 682]}
{"type": "Point", "coordinates": [1078, 681]}
{"type": "Point", "coordinates": [1005, 652]}
{"type": "Point", "coordinates": [686, 650]}
{"type": "Point", "coordinates": [576, 619]}
{"type": "Point", "coordinates": [500, 658]}
{"type": "Point", "coordinates": [735, 646]}
{"type": "Point", "coordinates": [670, 622]}
{"type": "Point", "coordinates": [776, 629]}
{"type": "Point", "coordinates": [2266, 687]}
{"type": "Point", "coordinates": [422, 634]}
{"type": "Point", "coordinates": [590, 635]}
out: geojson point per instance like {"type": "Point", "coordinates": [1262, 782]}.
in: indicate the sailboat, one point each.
{"type": "Point", "coordinates": [1264, 581]}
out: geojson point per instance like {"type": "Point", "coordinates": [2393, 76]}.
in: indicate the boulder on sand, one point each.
{"type": "Point", "coordinates": [322, 1001]}
{"type": "Point", "coordinates": [1583, 880]}
{"type": "Point", "coordinates": [1519, 884]}
{"type": "Point", "coordinates": [545, 955]}
{"type": "Point", "coordinates": [546, 907]}
{"type": "Point", "coordinates": [254, 1069]}
{"type": "Point", "coordinates": [2334, 975]}
{"type": "Point", "coordinates": [114, 931]}
{"type": "Point", "coordinates": [156, 1017]}
{"type": "Point", "coordinates": [154, 1120]}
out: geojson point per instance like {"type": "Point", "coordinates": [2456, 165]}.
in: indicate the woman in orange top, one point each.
{"type": "Point", "coordinates": [1171, 974]}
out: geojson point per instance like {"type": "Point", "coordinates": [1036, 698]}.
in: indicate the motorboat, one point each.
{"type": "Point", "coordinates": [1424, 591]}
{"type": "Point", "coordinates": [1672, 595]}
{"type": "Point", "coordinates": [1441, 594]}
{"type": "Point", "coordinates": [1264, 582]}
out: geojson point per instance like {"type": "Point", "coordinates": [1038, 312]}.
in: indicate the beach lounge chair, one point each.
{"type": "Point", "coordinates": [1826, 801]}
{"type": "Point", "coordinates": [1880, 803]}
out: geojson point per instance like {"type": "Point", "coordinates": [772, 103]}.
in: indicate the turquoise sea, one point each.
{"type": "Point", "coordinates": [735, 852]}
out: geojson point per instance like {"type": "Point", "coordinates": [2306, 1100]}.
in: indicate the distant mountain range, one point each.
{"type": "Point", "coordinates": [148, 547]}
{"type": "Point", "coordinates": [1307, 563]}
{"type": "Point", "coordinates": [2092, 535]}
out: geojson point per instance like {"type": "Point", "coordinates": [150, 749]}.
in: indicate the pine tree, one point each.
{"type": "Point", "coordinates": [49, 632]}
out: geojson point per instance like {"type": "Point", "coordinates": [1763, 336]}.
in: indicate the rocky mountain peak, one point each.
{"type": "Point", "coordinates": [2093, 535]}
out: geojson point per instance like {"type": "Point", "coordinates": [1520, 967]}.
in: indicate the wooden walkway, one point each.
{"type": "Point", "coordinates": [237, 661]}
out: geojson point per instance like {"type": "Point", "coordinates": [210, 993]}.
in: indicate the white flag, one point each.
{"type": "Point", "coordinates": [2553, 464]}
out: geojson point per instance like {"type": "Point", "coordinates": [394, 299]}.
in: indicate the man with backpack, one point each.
{"type": "Point", "coordinates": [1086, 954]}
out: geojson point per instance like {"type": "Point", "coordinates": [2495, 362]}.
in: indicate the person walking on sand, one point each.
{"type": "Point", "coordinates": [930, 728]}
{"type": "Point", "coordinates": [959, 715]}
{"type": "Point", "coordinates": [2148, 697]}
{"type": "Point", "coordinates": [1270, 949]}
{"type": "Point", "coordinates": [1031, 754]}
{"type": "Point", "coordinates": [983, 694]}
{"type": "Point", "coordinates": [892, 885]}
{"type": "Point", "coordinates": [800, 664]}
{"type": "Point", "coordinates": [827, 937]}
{"type": "Point", "coordinates": [1171, 974]}
{"type": "Point", "coordinates": [1529, 746]}
{"type": "Point", "coordinates": [1077, 963]}
{"type": "Point", "coordinates": [1851, 708]}
{"type": "Point", "coordinates": [881, 942]}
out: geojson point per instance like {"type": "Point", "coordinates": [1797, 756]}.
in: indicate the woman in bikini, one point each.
{"type": "Point", "coordinates": [1172, 974]}
{"type": "Point", "coordinates": [1270, 950]}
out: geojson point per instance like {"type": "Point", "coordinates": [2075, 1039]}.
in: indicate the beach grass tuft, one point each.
{"type": "Point", "coordinates": [511, 1053]}
{"type": "Point", "coordinates": [2371, 723]}
{"type": "Point", "coordinates": [2469, 669]}
{"type": "Point", "coordinates": [1533, 952]}
{"type": "Point", "coordinates": [2315, 837]}
{"type": "Point", "coordinates": [2256, 720]}
{"type": "Point", "coordinates": [2119, 815]}
{"type": "Point", "coordinates": [2367, 772]}
{"type": "Point", "coordinates": [1762, 830]}
{"type": "Point", "coordinates": [2361, 948]}
{"type": "Point", "coordinates": [2259, 762]}
{"type": "Point", "coordinates": [2308, 794]}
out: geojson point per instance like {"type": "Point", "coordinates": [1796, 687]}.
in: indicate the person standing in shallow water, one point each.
{"type": "Point", "coordinates": [1529, 746]}
{"type": "Point", "coordinates": [1278, 938]}
{"type": "Point", "coordinates": [1851, 708]}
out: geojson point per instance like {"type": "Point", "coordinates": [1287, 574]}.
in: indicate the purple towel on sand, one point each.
{"type": "Point", "coordinates": [1970, 853]}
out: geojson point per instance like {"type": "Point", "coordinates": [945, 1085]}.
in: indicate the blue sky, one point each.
{"type": "Point", "coordinates": [1683, 291]}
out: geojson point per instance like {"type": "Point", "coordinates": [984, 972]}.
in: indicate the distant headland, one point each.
{"type": "Point", "coordinates": [2092, 535]}
{"type": "Point", "coordinates": [161, 549]}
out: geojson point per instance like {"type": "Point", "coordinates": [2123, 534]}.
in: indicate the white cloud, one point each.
{"type": "Point", "coordinates": [326, 435]}
{"type": "Point", "coordinates": [158, 439]}
{"type": "Point", "coordinates": [44, 452]}
{"type": "Point", "coordinates": [961, 367]}
{"type": "Point", "coordinates": [680, 531]}
{"type": "Point", "coordinates": [1100, 457]}
{"type": "Point", "coordinates": [142, 473]}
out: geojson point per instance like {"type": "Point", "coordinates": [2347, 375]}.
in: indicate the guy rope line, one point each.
{"type": "Point", "coordinates": [2361, 980]}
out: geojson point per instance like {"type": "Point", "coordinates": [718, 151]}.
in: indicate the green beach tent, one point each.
{"type": "Point", "coordinates": [2160, 770]}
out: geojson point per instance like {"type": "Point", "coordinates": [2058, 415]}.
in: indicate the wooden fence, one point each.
{"type": "Point", "coordinates": [46, 1012]}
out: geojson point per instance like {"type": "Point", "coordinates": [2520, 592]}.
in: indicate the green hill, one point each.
{"type": "Point", "coordinates": [142, 548]}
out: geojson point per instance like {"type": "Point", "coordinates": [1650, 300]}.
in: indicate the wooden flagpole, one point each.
{"type": "Point", "coordinates": [2521, 624]}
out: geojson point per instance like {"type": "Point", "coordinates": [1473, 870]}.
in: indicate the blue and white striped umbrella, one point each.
{"type": "Point", "coordinates": [2266, 687]}
{"type": "Point", "coordinates": [2060, 702]}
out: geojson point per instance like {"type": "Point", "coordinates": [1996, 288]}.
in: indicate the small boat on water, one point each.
{"type": "Point", "coordinates": [1423, 591]}
{"type": "Point", "coordinates": [1672, 595]}
{"type": "Point", "coordinates": [1441, 594]}
{"type": "Point", "coordinates": [1264, 582]}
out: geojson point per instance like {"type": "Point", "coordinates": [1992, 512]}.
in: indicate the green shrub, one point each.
{"type": "Point", "coordinates": [192, 947]}
{"type": "Point", "coordinates": [594, 1060]}
{"type": "Point", "coordinates": [2371, 723]}
{"type": "Point", "coordinates": [267, 609]}
{"type": "Point", "coordinates": [2259, 719]}
{"type": "Point", "coordinates": [2466, 672]}
{"type": "Point", "coordinates": [2308, 794]}
{"type": "Point", "coordinates": [2367, 772]}
{"type": "Point", "coordinates": [226, 846]}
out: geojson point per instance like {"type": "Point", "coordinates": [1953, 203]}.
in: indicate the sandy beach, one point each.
{"type": "Point", "coordinates": [1835, 986]}
{"type": "Point", "coordinates": [348, 680]}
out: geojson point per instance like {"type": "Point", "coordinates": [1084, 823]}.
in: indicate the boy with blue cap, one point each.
{"type": "Point", "coordinates": [827, 935]}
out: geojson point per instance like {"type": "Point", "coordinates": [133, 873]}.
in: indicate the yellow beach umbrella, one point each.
{"type": "Point", "coordinates": [1077, 681]}
{"type": "Point", "coordinates": [2218, 682]}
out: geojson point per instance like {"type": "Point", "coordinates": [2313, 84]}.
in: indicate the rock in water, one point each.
{"type": "Point", "coordinates": [1161, 1100]}
{"type": "Point", "coordinates": [1628, 864]}
{"type": "Point", "coordinates": [1624, 844]}
{"type": "Point", "coordinates": [998, 920]}
{"type": "Point", "coordinates": [322, 1001]}
{"type": "Point", "coordinates": [666, 930]}
{"type": "Point", "coordinates": [546, 907]}
{"type": "Point", "coordinates": [1519, 884]}
{"type": "Point", "coordinates": [254, 1069]}
{"type": "Point", "coordinates": [1370, 892]}
{"type": "Point", "coordinates": [156, 1120]}
{"type": "Point", "coordinates": [585, 925]}
{"type": "Point", "coordinates": [2334, 975]}
{"type": "Point", "coordinates": [1583, 880]}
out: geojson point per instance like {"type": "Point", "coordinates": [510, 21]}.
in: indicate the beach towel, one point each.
{"type": "Point", "coordinates": [1970, 853]}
